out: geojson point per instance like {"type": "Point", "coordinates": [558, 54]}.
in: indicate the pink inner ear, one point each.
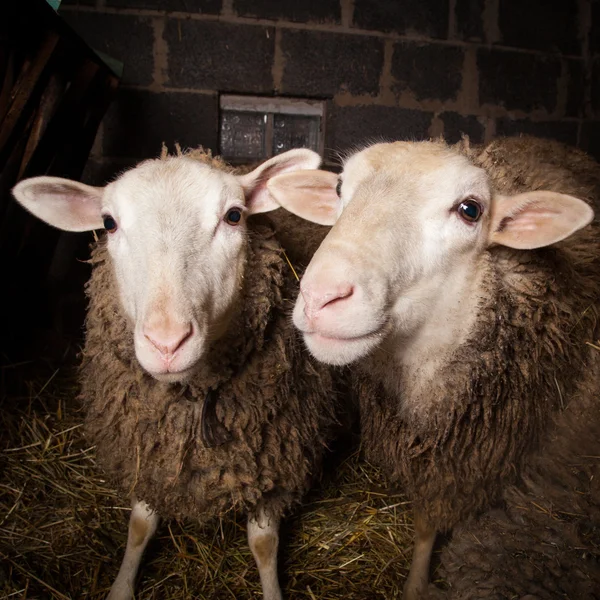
{"type": "Point", "coordinates": [258, 198]}
{"type": "Point", "coordinates": [65, 204]}
{"type": "Point", "coordinates": [537, 219]}
{"type": "Point", "coordinates": [534, 217]}
{"type": "Point", "coordinates": [83, 209]}
{"type": "Point", "coordinates": [308, 194]}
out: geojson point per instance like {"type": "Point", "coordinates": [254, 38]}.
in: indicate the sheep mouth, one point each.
{"type": "Point", "coordinates": [340, 350]}
{"type": "Point", "coordinates": [341, 338]}
{"type": "Point", "coordinates": [174, 368]}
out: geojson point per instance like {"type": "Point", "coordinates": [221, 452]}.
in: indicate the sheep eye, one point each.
{"type": "Point", "coordinates": [470, 211]}
{"type": "Point", "coordinates": [338, 188]}
{"type": "Point", "coordinates": [233, 216]}
{"type": "Point", "coordinates": [109, 223]}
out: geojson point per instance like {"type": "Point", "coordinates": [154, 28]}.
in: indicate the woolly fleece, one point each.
{"type": "Point", "coordinates": [504, 399]}
{"type": "Point", "coordinates": [276, 404]}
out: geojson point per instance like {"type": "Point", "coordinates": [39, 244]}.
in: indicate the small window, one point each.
{"type": "Point", "coordinates": [253, 129]}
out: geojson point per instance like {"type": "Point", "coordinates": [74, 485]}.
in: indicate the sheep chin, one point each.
{"type": "Point", "coordinates": [176, 377]}
{"type": "Point", "coordinates": [341, 351]}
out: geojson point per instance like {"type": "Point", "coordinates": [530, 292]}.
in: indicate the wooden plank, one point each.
{"type": "Point", "coordinates": [10, 169]}
{"type": "Point", "coordinates": [24, 88]}
{"type": "Point", "coordinates": [7, 80]}
{"type": "Point", "coordinates": [66, 122]}
{"type": "Point", "coordinates": [12, 215]}
{"type": "Point", "coordinates": [103, 95]}
{"type": "Point", "coordinates": [48, 103]}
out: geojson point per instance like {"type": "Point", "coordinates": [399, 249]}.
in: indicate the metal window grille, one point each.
{"type": "Point", "coordinates": [253, 129]}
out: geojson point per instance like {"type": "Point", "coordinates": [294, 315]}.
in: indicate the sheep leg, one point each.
{"type": "Point", "coordinates": [142, 525]}
{"type": "Point", "coordinates": [263, 539]}
{"type": "Point", "coordinates": [417, 582]}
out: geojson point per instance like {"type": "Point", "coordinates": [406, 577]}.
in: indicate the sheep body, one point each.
{"type": "Point", "coordinates": [501, 414]}
{"type": "Point", "coordinates": [272, 399]}
{"type": "Point", "coordinates": [195, 389]}
{"type": "Point", "coordinates": [543, 539]}
{"type": "Point", "coordinates": [466, 311]}
{"type": "Point", "coordinates": [495, 397]}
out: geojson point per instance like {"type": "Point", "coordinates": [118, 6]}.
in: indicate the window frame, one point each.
{"type": "Point", "coordinates": [272, 106]}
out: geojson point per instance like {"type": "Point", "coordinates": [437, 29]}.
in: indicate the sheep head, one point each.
{"type": "Point", "coordinates": [412, 225]}
{"type": "Point", "coordinates": [177, 239]}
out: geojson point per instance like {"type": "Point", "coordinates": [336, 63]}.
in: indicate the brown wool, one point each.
{"type": "Point", "coordinates": [275, 403]}
{"type": "Point", "coordinates": [513, 414]}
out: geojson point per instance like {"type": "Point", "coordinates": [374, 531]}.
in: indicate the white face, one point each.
{"type": "Point", "coordinates": [178, 257]}
{"type": "Point", "coordinates": [402, 261]}
{"type": "Point", "coordinates": [399, 237]}
{"type": "Point", "coordinates": [177, 237]}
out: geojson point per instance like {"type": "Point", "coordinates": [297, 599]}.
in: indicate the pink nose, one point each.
{"type": "Point", "coordinates": [323, 294]}
{"type": "Point", "coordinates": [167, 336]}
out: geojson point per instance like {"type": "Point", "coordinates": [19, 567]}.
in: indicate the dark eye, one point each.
{"type": "Point", "coordinates": [233, 216]}
{"type": "Point", "coordinates": [470, 211]}
{"type": "Point", "coordinates": [338, 188]}
{"type": "Point", "coordinates": [109, 223]}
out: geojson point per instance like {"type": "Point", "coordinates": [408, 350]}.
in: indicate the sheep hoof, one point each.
{"type": "Point", "coordinates": [118, 593]}
{"type": "Point", "coordinates": [415, 591]}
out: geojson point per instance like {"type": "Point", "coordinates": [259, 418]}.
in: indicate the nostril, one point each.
{"type": "Point", "coordinates": [338, 296]}
{"type": "Point", "coordinates": [317, 299]}
{"type": "Point", "coordinates": [167, 340]}
{"type": "Point", "coordinates": [185, 335]}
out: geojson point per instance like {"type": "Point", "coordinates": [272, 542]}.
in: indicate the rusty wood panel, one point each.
{"type": "Point", "coordinates": [100, 96]}
{"type": "Point", "coordinates": [25, 86]}
{"type": "Point", "coordinates": [7, 79]}
{"type": "Point", "coordinates": [66, 124]}
{"type": "Point", "coordinates": [48, 105]}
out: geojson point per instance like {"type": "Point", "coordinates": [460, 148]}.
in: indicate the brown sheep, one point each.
{"type": "Point", "coordinates": [196, 392]}
{"type": "Point", "coordinates": [464, 282]}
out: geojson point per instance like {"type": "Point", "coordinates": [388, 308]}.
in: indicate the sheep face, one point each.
{"type": "Point", "coordinates": [177, 239]}
{"type": "Point", "coordinates": [179, 254]}
{"type": "Point", "coordinates": [401, 265]}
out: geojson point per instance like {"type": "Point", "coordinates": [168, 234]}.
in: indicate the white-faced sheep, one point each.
{"type": "Point", "coordinates": [465, 283]}
{"type": "Point", "coordinates": [196, 393]}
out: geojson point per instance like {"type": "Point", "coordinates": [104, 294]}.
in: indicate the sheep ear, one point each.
{"type": "Point", "coordinates": [311, 195]}
{"type": "Point", "coordinates": [258, 197]}
{"type": "Point", "coordinates": [537, 219]}
{"type": "Point", "coordinates": [63, 203]}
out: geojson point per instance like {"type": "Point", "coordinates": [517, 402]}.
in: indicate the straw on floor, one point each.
{"type": "Point", "coordinates": [63, 531]}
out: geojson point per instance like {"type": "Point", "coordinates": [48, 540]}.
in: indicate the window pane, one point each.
{"type": "Point", "coordinates": [243, 135]}
{"type": "Point", "coordinates": [295, 131]}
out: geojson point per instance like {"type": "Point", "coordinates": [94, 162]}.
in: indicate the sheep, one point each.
{"type": "Point", "coordinates": [464, 283]}
{"type": "Point", "coordinates": [194, 387]}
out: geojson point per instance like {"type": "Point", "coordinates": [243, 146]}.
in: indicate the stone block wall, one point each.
{"type": "Point", "coordinates": [388, 69]}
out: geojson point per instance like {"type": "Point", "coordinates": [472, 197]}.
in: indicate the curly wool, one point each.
{"type": "Point", "coordinates": [276, 404]}
{"type": "Point", "coordinates": [544, 541]}
{"type": "Point", "coordinates": [492, 405]}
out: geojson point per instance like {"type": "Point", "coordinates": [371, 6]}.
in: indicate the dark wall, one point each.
{"type": "Point", "coordinates": [389, 69]}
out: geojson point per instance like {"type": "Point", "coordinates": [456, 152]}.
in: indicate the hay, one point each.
{"type": "Point", "coordinates": [63, 531]}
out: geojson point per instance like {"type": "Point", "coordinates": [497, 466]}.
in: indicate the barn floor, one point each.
{"type": "Point", "coordinates": [63, 531]}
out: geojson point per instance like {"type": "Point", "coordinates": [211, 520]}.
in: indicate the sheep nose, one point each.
{"type": "Point", "coordinates": [167, 336]}
{"type": "Point", "coordinates": [320, 295]}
